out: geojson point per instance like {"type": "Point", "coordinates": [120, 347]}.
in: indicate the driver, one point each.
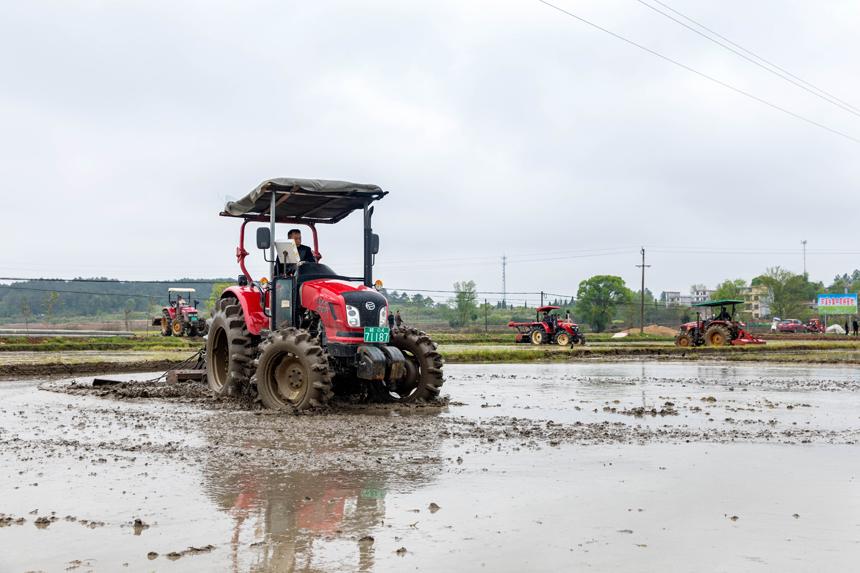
{"type": "Point", "coordinates": [306, 255]}
{"type": "Point", "coordinates": [724, 314]}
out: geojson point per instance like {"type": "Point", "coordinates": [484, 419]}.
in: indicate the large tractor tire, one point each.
{"type": "Point", "coordinates": [293, 371]}
{"type": "Point", "coordinates": [563, 339]}
{"type": "Point", "coordinates": [684, 340]}
{"type": "Point", "coordinates": [537, 336]}
{"type": "Point", "coordinates": [230, 349]}
{"type": "Point", "coordinates": [718, 335]}
{"type": "Point", "coordinates": [178, 327]}
{"type": "Point", "coordinates": [423, 379]}
{"type": "Point", "coordinates": [165, 326]}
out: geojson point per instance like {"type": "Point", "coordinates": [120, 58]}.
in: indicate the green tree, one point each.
{"type": "Point", "coordinates": [790, 293]}
{"type": "Point", "coordinates": [465, 302]}
{"type": "Point", "coordinates": [598, 298]}
{"type": "Point", "coordinates": [217, 289]}
{"type": "Point", "coordinates": [50, 303]}
{"type": "Point", "coordinates": [26, 312]}
{"type": "Point", "coordinates": [730, 289]}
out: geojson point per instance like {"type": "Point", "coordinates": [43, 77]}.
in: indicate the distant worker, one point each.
{"type": "Point", "coordinates": [397, 319]}
{"type": "Point", "coordinates": [390, 321]}
{"type": "Point", "coordinates": [306, 255]}
{"type": "Point", "coordinates": [846, 327]}
{"type": "Point", "coordinates": [855, 325]}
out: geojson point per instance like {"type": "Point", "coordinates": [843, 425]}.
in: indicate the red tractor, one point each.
{"type": "Point", "coordinates": [292, 335]}
{"type": "Point", "coordinates": [548, 329]}
{"type": "Point", "coordinates": [721, 329]}
{"type": "Point", "coordinates": [179, 318]}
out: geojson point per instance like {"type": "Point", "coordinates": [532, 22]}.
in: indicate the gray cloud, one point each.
{"type": "Point", "coordinates": [498, 127]}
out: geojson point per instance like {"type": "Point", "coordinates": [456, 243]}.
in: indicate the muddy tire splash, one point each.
{"type": "Point", "coordinates": [293, 371]}
{"type": "Point", "coordinates": [423, 379]}
{"type": "Point", "coordinates": [230, 349]}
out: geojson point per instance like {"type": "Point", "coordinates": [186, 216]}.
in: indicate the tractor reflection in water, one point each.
{"type": "Point", "coordinates": [310, 519]}
{"type": "Point", "coordinates": [720, 329]}
{"type": "Point", "coordinates": [548, 328]}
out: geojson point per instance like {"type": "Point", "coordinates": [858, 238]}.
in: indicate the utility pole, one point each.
{"type": "Point", "coordinates": [541, 298]}
{"type": "Point", "coordinates": [803, 242]}
{"type": "Point", "coordinates": [504, 282]}
{"type": "Point", "coordinates": [486, 319]}
{"type": "Point", "coordinates": [643, 266]}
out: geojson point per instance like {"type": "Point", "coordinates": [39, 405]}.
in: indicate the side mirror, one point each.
{"type": "Point", "coordinates": [374, 243]}
{"type": "Point", "coordinates": [264, 238]}
{"type": "Point", "coordinates": [242, 280]}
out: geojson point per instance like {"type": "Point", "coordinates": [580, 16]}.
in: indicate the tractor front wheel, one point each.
{"type": "Point", "coordinates": [229, 349]}
{"type": "Point", "coordinates": [563, 339]}
{"type": "Point", "coordinates": [293, 371]}
{"type": "Point", "coordinates": [717, 335]}
{"type": "Point", "coordinates": [537, 337]}
{"type": "Point", "coordinates": [684, 340]}
{"type": "Point", "coordinates": [178, 328]}
{"type": "Point", "coordinates": [423, 379]}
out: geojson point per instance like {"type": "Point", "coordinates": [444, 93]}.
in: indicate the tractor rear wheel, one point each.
{"type": "Point", "coordinates": [230, 349]}
{"type": "Point", "coordinates": [423, 379]}
{"type": "Point", "coordinates": [165, 326]}
{"type": "Point", "coordinates": [293, 371]}
{"type": "Point", "coordinates": [563, 339]}
{"type": "Point", "coordinates": [537, 336]}
{"type": "Point", "coordinates": [684, 340]}
{"type": "Point", "coordinates": [717, 335]}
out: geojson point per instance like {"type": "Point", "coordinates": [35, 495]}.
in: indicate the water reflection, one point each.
{"type": "Point", "coordinates": [313, 509]}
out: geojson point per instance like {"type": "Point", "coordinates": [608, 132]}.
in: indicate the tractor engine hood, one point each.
{"type": "Point", "coordinates": [334, 296]}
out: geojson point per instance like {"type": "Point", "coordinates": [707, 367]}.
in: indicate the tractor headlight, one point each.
{"type": "Point", "coordinates": [383, 316]}
{"type": "Point", "coordinates": [352, 317]}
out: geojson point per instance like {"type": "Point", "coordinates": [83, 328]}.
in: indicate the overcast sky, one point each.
{"type": "Point", "coordinates": [498, 127]}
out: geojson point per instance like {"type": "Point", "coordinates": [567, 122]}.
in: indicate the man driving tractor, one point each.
{"type": "Point", "coordinates": [305, 253]}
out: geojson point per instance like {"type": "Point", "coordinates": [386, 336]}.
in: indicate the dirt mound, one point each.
{"type": "Point", "coordinates": [654, 329]}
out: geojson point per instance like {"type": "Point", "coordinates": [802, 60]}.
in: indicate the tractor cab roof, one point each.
{"type": "Point", "coordinates": [721, 302]}
{"type": "Point", "coordinates": [176, 289]}
{"type": "Point", "coordinates": [303, 201]}
{"type": "Point", "coordinates": [547, 308]}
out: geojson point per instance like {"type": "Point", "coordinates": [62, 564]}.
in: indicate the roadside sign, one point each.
{"type": "Point", "coordinates": [837, 303]}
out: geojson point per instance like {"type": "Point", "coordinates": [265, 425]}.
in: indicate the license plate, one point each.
{"type": "Point", "coordinates": [377, 334]}
{"type": "Point", "coordinates": [193, 318]}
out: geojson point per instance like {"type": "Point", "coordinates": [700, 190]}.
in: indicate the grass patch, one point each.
{"type": "Point", "coordinates": [54, 344]}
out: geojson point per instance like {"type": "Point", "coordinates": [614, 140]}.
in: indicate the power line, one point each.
{"type": "Point", "coordinates": [702, 74]}
{"type": "Point", "coordinates": [784, 76]}
{"type": "Point", "coordinates": [750, 52]}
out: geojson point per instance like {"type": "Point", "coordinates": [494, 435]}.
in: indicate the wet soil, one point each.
{"type": "Point", "coordinates": [634, 466]}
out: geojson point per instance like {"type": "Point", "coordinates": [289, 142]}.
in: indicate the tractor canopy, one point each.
{"type": "Point", "coordinates": [176, 289]}
{"type": "Point", "coordinates": [303, 201]}
{"type": "Point", "coordinates": [547, 308]}
{"type": "Point", "coordinates": [721, 302]}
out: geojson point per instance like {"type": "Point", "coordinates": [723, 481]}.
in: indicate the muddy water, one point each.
{"type": "Point", "coordinates": [529, 468]}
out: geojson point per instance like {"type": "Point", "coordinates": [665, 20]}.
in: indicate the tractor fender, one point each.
{"type": "Point", "coordinates": [249, 299]}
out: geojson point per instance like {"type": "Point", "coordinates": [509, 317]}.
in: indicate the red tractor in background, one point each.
{"type": "Point", "coordinates": [295, 336]}
{"type": "Point", "coordinates": [721, 329]}
{"type": "Point", "coordinates": [179, 318]}
{"type": "Point", "coordinates": [548, 329]}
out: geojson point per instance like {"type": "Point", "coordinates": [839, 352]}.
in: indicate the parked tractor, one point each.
{"type": "Point", "coordinates": [720, 329]}
{"type": "Point", "coordinates": [548, 329]}
{"type": "Point", "coordinates": [179, 318]}
{"type": "Point", "coordinates": [288, 338]}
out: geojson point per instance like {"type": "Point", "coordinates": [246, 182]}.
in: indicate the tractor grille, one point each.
{"type": "Point", "coordinates": [360, 299]}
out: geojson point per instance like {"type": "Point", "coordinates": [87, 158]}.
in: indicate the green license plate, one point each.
{"type": "Point", "coordinates": [193, 318]}
{"type": "Point", "coordinates": [377, 334]}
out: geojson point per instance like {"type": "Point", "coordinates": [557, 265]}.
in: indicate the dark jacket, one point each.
{"type": "Point", "coordinates": [306, 254]}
